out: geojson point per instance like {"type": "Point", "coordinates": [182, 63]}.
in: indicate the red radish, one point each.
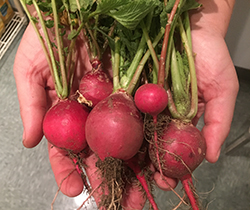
{"type": "Point", "coordinates": [95, 86]}
{"type": "Point", "coordinates": [64, 125]}
{"type": "Point", "coordinates": [151, 99]}
{"type": "Point", "coordinates": [182, 149]}
{"type": "Point", "coordinates": [114, 132]}
{"type": "Point", "coordinates": [114, 127]}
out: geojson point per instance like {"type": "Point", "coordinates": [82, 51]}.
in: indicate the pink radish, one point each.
{"type": "Point", "coordinates": [182, 148]}
{"type": "Point", "coordinates": [151, 99]}
{"type": "Point", "coordinates": [95, 86]}
{"type": "Point", "coordinates": [64, 125]}
{"type": "Point", "coordinates": [114, 127]}
{"type": "Point", "coordinates": [114, 132]}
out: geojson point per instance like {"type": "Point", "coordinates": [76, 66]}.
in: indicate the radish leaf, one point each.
{"type": "Point", "coordinates": [127, 12]}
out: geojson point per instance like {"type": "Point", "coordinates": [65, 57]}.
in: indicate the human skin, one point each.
{"type": "Point", "coordinates": [217, 86]}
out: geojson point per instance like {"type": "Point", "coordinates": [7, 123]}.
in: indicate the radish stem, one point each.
{"type": "Point", "coordinates": [162, 64]}
{"type": "Point", "coordinates": [140, 66]}
{"type": "Point", "coordinates": [194, 95]}
{"type": "Point", "coordinates": [116, 62]}
{"type": "Point", "coordinates": [150, 45]}
{"type": "Point", "coordinates": [135, 63]}
{"type": "Point", "coordinates": [181, 98]}
{"type": "Point", "coordinates": [58, 83]}
{"type": "Point", "coordinates": [59, 40]}
{"type": "Point", "coordinates": [33, 23]}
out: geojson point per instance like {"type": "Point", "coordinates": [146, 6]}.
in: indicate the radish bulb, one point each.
{"type": "Point", "coordinates": [114, 132]}
{"type": "Point", "coordinates": [64, 125]}
{"type": "Point", "coordinates": [114, 127]}
{"type": "Point", "coordinates": [95, 86]}
{"type": "Point", "coordinates": [151, 99]}
{"type": "Point", "coordinates": [182, 149]}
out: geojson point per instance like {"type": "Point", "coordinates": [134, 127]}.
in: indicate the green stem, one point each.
{"type": "Point", "coordinates": [58, 84]}
{"type": "Point", "coordinates": [194, 91]}
{"type": "Point", "coordinates": [150, 45]}
{"type": "Point", "coordinates": [181, 98]}
{"type": "Point", "coordinates": [162, 64]}
{"type": "Point", "coordinates": [79, 9]}
{"type": "Point", "coordinates": [64, 93]}
{"type": "Point", "coordinates": [154, 74]}
{"type": "Point", "coordinates": [33, 23]}
{"type": "Point", "coordinates": [116, 65]}
{"type": "Point", "coordinates": [186, 24]}
{"type": "Point", "coordinates": [168, 56]}
{"type": "Point", "coordinates": [125, 80]}
{"type": "Point", "coordinates": [96, 46]}
{"type": "Point", "coordinates": [140, 66]}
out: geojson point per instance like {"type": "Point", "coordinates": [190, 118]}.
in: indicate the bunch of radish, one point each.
{"type": "Point", "coordinates": [152, 78]}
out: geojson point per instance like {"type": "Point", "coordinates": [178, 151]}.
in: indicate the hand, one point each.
{"type": "Point", "coordinates": [217, 83]}
{"type": "Point", "coordinates": [216, 77]}
{"type": "Point", "coordinates": [36, 94]}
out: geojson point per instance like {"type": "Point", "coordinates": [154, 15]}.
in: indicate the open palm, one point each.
{"type": "Point", "coordinates": [217, 86]}
{"type": "Point", "coordinates": [36, 95]}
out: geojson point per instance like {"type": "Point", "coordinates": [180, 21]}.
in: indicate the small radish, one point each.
{"type": "Point", "coordinates": [151, 99]}
{"type": "Point", "coordinates": [64, 125]}
{"type": "Point", "coordinates": [95, 86]}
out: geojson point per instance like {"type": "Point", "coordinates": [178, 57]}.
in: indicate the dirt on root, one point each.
{"type": "Point", "coordinates": [113, 172]}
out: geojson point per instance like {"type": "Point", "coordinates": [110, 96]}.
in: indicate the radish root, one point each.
{"type": "Point", "coordinates": [59, 188]}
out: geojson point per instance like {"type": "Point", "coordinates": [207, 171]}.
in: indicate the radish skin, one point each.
{"type": "Point", "coordinates": [114, 127]}
{"type": "Point", "coordinates": [151, 99]}
{"type": "Point", "coordinates": [182, 147]}
{"type": "Point", "coordinates": [95, 86]}
{"type": "Point", "coordinates": [64, 125]}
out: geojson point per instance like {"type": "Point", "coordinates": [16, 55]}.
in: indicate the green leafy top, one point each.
{"type": "Point", "coordinates": [127, 12]}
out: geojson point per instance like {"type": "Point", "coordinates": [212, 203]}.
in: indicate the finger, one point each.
{"type": "Point", "coordinates": [65, 173]}
{"type": "Point", "coordinates": [30, 69]}
{"type": "Point", "coordinates": [217, 118]}
{"type": "Point", "coordinates": [133, 198]}
{"type": "Point", "coordinates": [32, 102]}
{"type": "Point", "coordinates": [164, 182]}
{"type": "Point", "coordinates": [94, 176]}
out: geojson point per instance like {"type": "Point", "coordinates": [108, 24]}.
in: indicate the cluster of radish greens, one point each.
{"type": "Point", "coordinates": [141, 111]}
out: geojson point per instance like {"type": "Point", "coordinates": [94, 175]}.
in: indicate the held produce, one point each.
{"type": "Point", "coordinates": [64, 125]}
{"type": "Point", "coordinates": [141, 114]}
{"type": "Point", "coordinates": [95, 86]}
{"type": "Point", "coordinates": [114, 127]}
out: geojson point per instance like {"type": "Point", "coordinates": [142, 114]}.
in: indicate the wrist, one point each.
{"type": "Point", "coordinates": [213, 16]}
